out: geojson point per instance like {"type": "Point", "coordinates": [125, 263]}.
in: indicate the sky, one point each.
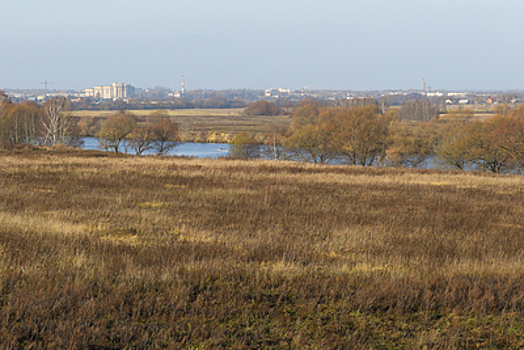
{"type": "Point", "coordinates": [223, 44]}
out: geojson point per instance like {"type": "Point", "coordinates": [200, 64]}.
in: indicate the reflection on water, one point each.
{"type": "Point", "coordinates": [216, 150]}
{"type": "Point", "coordinates": [189, 149]}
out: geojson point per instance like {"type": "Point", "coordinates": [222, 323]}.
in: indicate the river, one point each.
{"type": "Point", "coordinates": [189, 149]}
{"type": "Point", "coordinates": [217, 150]}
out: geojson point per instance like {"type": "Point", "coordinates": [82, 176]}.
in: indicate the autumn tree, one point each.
{"type": "Point", "coordinates": [89, 125]}
{"type": "Point", "coordinates": [313, 142]}
{"type": "Point", "coordinates": [5, 107]}
{"type": "Point", "coordinates": [489, 144]}
{"type": "Point", "coordinates": [357, 135]}
{"type": "Point", "coordinates": [141, 139]}
{"type": "Point", "coordinates": [304, 115]}
{"type": "Point", "coordinates": [513, 129]}
{"type": "Point", "coordinates": [23, 123]}
{"type": "Point", "coordinates": [411, 143]}
{"type": "Point", "coordinates": [361, 134]}
{"type": "Point", "coordinates": [454, 148]}
{"type": "Point", "coordinates": [245, 146]}
{"type": "Point", "coordinates": [262, 108]}
{"type": "Point", "coordinates": [114, 131]}
{"type": "Point", "coordinates": [164, 134]}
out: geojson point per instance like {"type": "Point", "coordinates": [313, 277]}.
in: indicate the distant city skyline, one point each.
{"type": "Point", "coordinates": [329, 44]}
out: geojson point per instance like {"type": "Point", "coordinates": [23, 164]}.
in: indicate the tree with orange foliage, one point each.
{"type": "Point", "coordinates": [314, 143]}
{"type": "Point", "coordinates": [304, 115]}
{"type": "Point", "coordinates": [454, 147]}
{"type": "Point", "coordinates": [412, 143]}
{"type": "Point", "coordinates": [511, 129]}
{"type": "Point", "coordinates": [361, 134]}
{"type": "Point", "coordinates": [5, 107]}
{"type": "Point", "coordinates": [22, 123]}
{"type": "Point", "coordinates": [489, 144]}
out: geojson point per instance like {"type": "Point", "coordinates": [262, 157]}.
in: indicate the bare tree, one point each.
{"type": "Point", "coordinates": [55, 123]}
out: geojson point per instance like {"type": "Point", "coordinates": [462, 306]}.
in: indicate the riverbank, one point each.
{"type": "Point", "coordinates": [195, 125]}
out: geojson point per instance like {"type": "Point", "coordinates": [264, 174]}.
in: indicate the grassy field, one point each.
{"type": "Point", "coordinates": [103, 252]}
{"type": "Point", "coordinates": [212, 124]}
{"type": "Point", "coordinates": [172, 112]}
{"type": "Point", "coordinates": [476, 116]}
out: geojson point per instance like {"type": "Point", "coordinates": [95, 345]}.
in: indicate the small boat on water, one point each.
{"type": "Point", "coordinates": [222, 150]}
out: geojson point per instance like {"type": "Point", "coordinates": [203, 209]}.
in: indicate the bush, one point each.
{"type": "Point", "coordinates": [263, 108]}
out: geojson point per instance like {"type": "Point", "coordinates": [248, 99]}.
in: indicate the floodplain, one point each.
{"type": "Point", "coordinates": [102, 251]}
{"type": "Point", "coordinates": [216, 125]}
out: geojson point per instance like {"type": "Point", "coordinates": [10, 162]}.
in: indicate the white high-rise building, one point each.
{"type": "Point", "coordinates": [111, 92]}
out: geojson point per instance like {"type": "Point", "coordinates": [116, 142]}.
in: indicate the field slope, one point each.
{"type": "Point", "coordinates": [101, 252]}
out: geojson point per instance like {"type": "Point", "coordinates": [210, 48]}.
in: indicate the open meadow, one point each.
{"type": "Point", "coordinates": [218, 124]}
{"type": "Point", "coordinates": [100, 252]}
{"type": "Point", "coordinates": [172, 112]}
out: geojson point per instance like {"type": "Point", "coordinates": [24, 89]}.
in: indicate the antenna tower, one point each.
{"type": "Point", "coordinates": [183, 85]}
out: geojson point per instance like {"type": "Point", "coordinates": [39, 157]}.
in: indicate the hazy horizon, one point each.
{"type": "Point", "coordinates": [333, 44]}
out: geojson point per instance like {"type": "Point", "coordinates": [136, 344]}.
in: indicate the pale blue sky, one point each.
{"type": "Point", "coordinates": [331, 44]}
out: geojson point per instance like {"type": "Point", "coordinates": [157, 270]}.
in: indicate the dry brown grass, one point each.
{"type": "Point", "coordinates": [451, 117]}
{"type": "Point", "coordinates": [218, 125]}
{"type": "Point", "coordinates": [172, 112]}
{"type": "Point", "coordinates": [100, 252]}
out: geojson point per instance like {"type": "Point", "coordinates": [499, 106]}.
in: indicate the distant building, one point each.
{"type": "Point", "coordinates": [111, 92]}
{"type": "Point", "coordinates": [176, 94]}
{"type": "Point", "coordinates": [457, 94]}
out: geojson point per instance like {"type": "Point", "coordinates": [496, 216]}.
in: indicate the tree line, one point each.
{"type": "Point", "coordinates": [48, 124]}
{"type": "Point", "coordinates": [366, 136]}
{"type": "Point", "coordinates": [121, 132]}
{"type": "Point", "coordinates": [51, 124]}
